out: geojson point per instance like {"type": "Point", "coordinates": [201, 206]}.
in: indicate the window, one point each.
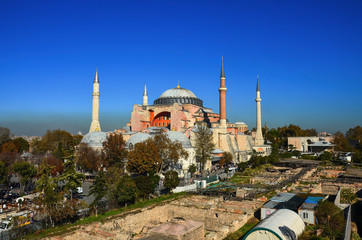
{"type": "Point", "coordinates": [305, 215]}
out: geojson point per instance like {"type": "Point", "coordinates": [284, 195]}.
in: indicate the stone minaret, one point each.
{"type": "Point", "coordinates": [145, 97]}
{"type": "Point", "coordinates": [259, 135]}
{"type": "Point", "coordinates": [222, 92]}
{"type": "Point", "coordinates": [95, 126]}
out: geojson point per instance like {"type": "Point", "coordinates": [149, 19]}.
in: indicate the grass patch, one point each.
{"type": "Point", "coordinates": [59, 230]}
{"type": "Point", "coordinates": [243, 230]}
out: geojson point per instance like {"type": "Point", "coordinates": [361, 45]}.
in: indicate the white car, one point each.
{"type": "Point", "coordinates": [79, 190]}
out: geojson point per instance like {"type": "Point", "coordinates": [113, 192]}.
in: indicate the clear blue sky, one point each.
{"type": "Point", "coordinates": [308, 55]}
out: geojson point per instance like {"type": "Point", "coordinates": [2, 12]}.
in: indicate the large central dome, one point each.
{"type": "Point", "coordinates": [178, 92]}
{"type": "Point", "coordinates": [178, 95]}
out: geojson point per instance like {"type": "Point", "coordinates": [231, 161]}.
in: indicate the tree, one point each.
{"type": "Point", "coordinates": [144, 185]}
{"type": "Point", "coordinates": [295, 153]}
{"type": "Point", "coordinates": [226, 159]}
{"type": "Point", "coordinates": [9, 147]}
{"type": "Point", "coordinates": [355, 133]}
{"type": "Point", "coordinates": [204, 145]}
{"type": "Point", "coordinates": [59, 142]}
{"type": "Point", "coordinates": [144, 158]}
{"type": "Point", "coordinates": [50, 198]}
{"type": "Point", "coordinates": [21, 144]}
{"type": "Point", "coordinates": [331, 218]}
{"type": "Point", "coordinates": [87, 159]}
{"type": "Point", "coordinates": [3, 173]}
{"type": "Point", "coordinates": [169, 152]}
{"type": "Point", "coordinates": [242, 166]}
{"type": "Point", "coordinates": [72, 178]}
{"type": "Point", "coordinates": [114, 152]}
{"type": "Point", "coordinates": [126, 191]}
{"type": "Point", "coordinates": [192, 169]}
{"type": "Point", "coordinates": [56, 164]}
{"type": "Point", "coordinates": [340, 142]}
{"type": "Point", "coordinates": [325, 156]}
{"type": "Point", "coordinates": [26, 172]}
{"type": "Point", "coordinates": [171, 180]}
{"type": "Point", "coordinates": [4, 135]}
{"type": "Point", "coordinates": [98, 190]}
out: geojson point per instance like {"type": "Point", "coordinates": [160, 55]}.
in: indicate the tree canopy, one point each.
{"type": "Point", "coordinates": [87, 159]}
{"type": "Point", "coordinates": [171, 180]}
{"type": "Point", "coordinates": [114, 151]}
{"type": "Point", "coordinates": [204, 145]}
{"type": "Point", "coordinates": [144, 158]}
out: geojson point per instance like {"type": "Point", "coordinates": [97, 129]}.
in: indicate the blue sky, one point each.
{"type": "Point", "coordinates": [308, 55]}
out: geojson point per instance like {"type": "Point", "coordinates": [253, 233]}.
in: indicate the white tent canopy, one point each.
{"type": "Point", "coordinates": [283, 224]}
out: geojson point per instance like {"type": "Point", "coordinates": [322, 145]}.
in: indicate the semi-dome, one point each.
{"type": "Point", "coordinates": [95, 139]}
{"type": "Point", "coordinates": [180, 137]}
{"type": "Point", "coordinates": [178, 95]}
{"type": "Point", "coordinates": [137, 138]}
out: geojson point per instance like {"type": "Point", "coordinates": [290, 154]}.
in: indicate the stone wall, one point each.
{"type": "Point", "coordinates": [219, 218]}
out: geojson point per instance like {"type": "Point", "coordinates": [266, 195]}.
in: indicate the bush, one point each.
{"type": "Point", "coordinates": [171, 180]}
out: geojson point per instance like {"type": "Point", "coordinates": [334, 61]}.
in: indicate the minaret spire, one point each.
{"type": "Point", "coordinates": [222, 93]}
{"type": "Point", "coordinates": [96, 78]}
{"type": "Point", "coordinates": [145, 97]}
{"type": "Point", "coordinates": [259, 140]}
{"type": "Point", "coordinates": [222, 74]}
{"type": "Point", "coordinates": [95, 125]}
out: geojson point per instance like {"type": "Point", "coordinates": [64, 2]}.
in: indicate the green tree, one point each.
{"type": "Point", "coordinates": [21, 144]}
{"type": "Point", "coordinates": [192, 169]}
{"type": "Point", "coordinates": [98, 190]}
{"type": "Point", "coordinates": [3, 173]}
{"type": "Point", "coordinates": [171, 180]}
{"type": "Point", "coordinates": [59, 142]}
{"type": "Point", "coordinates": [126, 191]}
{"type": "Point", "coordinates": [325, 156]}
{"type": "Point", "coordinates": [242, 166]}
{"type": "Point", "coordinates": [114, 151]}
{"type": "Point", "coordinates": [331, 218]}
{"type": "Point", "coordinates": [204, 145]}
{"type": "Point", "coordinates": [144, 185]}
{"type": "Point", "coordinates": [295, 153]}
{"type": "Point", "coordinates": [50, 198]}
{"type": "Point", "coordinates": [72, 178]}
{"type": "Point", "coordinates": [26, 172]}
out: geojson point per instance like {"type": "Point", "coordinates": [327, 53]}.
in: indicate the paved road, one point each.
{"type": "Point", "coordinates": [84, 196]}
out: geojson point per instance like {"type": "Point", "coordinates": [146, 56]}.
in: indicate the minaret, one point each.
{"type": "Point", "coordinates": [95, 126]}
{"type": "Point", "coordinates": [259, 135]}
{"type": "Point", "coordinates": [145, 97]}
{"type": "Point", "coordinates": [222, 93]}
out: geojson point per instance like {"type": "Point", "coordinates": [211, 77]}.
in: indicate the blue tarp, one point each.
{"type": "Point", "coordinates": [314, 200]}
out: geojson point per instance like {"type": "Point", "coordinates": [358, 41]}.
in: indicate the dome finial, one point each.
{"type": "Point", "coordinates": [178, 84]}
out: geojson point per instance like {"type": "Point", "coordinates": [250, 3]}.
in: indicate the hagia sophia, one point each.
{"type": "Point", "coordinates": [178, 113]}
